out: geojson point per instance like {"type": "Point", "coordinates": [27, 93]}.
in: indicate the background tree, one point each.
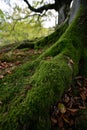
{"type": "Point", "coordinates": [61, 6]}
{"type": "Point", "coordinates": [20, 24]}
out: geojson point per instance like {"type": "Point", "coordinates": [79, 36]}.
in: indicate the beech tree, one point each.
{"type": "Point", "coordinates": [61, 6]}
{"type": "Point", "coordinates": [51, 78]}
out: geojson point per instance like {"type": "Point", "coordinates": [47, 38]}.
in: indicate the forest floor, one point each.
{"type": "Point", "coordinates": [11, 59]}
{"type": "Point", "coordinates": [63, 113]}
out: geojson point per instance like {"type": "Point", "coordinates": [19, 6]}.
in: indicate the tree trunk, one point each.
{"type": "Point", "coordinates": [52, 77]}
{"type": "Point", "coordinates": [74, 9]}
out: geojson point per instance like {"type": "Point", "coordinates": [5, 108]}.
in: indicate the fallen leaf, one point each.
{"type": "Point", "coordinates": [0, 67]}
{"type": "Point", "coordinates": [17, 62]}
{"type": "Point", "coordinates": [10, 64]}
{"type": "Point", "coordinates": [78, 77]}
{"type": "Point", "coordinates": [65, 119]}
{"type": "Point", "coordinates": [61, 108]}
{"type": "Point", "coordinates": [82, 107]}
{"type": "Point", "coordinates": [54, 120]}
{"type": "Point", "coordinates": [71, 102]}
{"type": "Point", "coordinates": [1, 76]}
{"type": "Point", "coordinates": [83, 96]}
{"type": "Point", "coordinates": [9, 72]}
{"type": "Point", "coordinates": [78, 83]}
{"type": "Point", "coordinates": [72, 110]}
{"type": "Point", "coordinates": [66, 98]}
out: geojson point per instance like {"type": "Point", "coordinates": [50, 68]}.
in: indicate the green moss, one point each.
{"type": "Point", "coordinates": [14, 87]}
{"type": "Point", "coordinates": [49, 86]}
{"type": "Point", "coordinates": [7, 57]}
{"type": "Point", "coordinates": [53, 37]}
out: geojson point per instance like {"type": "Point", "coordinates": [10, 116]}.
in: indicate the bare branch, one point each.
{"type": "Point", "coordinates": [27, 16]}
{"type": "Point", "coordinates": [40, 9]}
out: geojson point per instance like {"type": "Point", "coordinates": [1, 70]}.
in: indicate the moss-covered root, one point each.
{"type": "Point", "coordinates": [50, 80]}
{"type": "Point", "coordinates": [53, 37]}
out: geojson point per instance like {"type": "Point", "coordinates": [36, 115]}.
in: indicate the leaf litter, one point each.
{"type": "Point", "coordinates": [64, 113]}
{"type": "Point", "coordinates": [19, 57]}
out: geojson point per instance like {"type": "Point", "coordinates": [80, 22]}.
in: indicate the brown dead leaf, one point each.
{"type": "Point", "coordinates": [82, 107]}
{"type": "Point", "coordinates": [78, 77]}
{"type": "Point", "coordinates": [85, 89]}
{"type": "Point", "coordinates": [71, 102]}
{"type": "Point", "coordinates": [69, 89]}
{"type": "Point", "coordinates": [17, 63]}
{"type": "Point", "coordinates": [10, 65]}
{"type": "Point", "coordinates": [1, 76]}
{"type": "Point", "coordinates": [65, 119]}
{"type": "Point", "coordinates": [79, 84]}
{"type": "Point", "coordinates": [83, 96]}
{"type": "Point", "coordinates": [53, 120]}
{"type": "Point", "coordinates": [72, 109]}
{"type": "Point", "coordinates": [0, 67]}
{"type": "Point", "coordinates": [9, 72]}
{"type": "Point", "coordinates": [66, 98]}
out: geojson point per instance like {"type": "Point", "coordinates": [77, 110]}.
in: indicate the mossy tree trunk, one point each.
{"type": "Point", "coordinates": [51, 78]}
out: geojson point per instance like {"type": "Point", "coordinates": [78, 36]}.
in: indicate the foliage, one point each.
{"type": "Point", "coordinates": [2, 18]}
{"type": "Point", "coordinates": [14, 28]}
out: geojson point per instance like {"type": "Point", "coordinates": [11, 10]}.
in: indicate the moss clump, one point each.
{"type": "Point", "coordinates": [49, 86]}
{"type": "Point", "coordinates": [7, 57]}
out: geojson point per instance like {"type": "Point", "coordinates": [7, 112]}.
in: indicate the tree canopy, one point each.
{"type": "Point", "coordinates": [42, 6]}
